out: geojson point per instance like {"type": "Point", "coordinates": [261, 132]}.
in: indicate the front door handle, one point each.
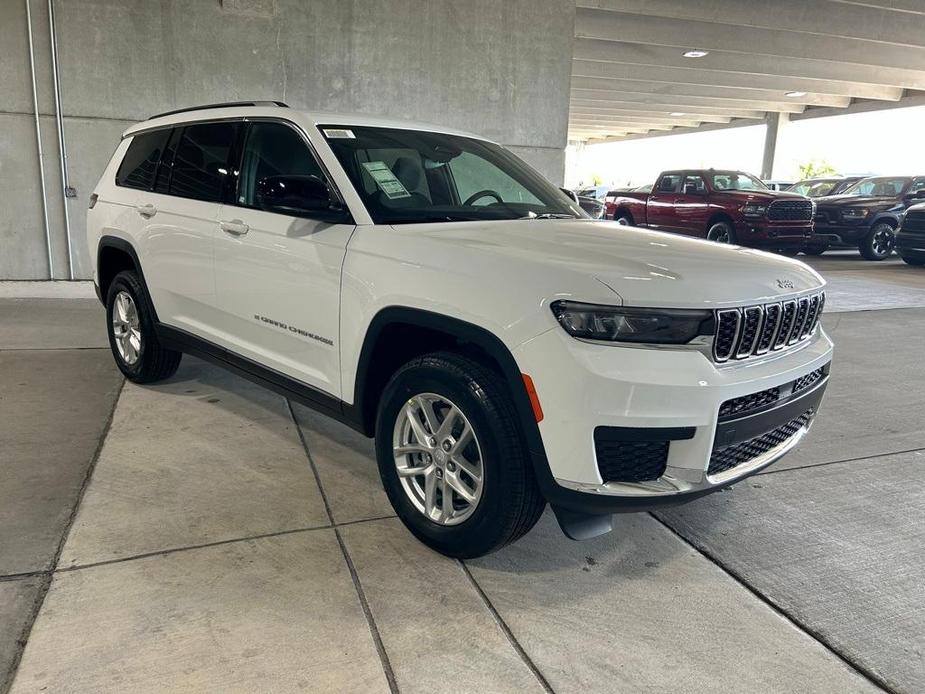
{"type": "Point", "coordinates": [235, 226]}
{"type": "Point", "coordinates": [147, 211]}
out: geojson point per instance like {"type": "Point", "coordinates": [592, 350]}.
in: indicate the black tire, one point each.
{"type": "Point", "coordinates": [916, 260]}
{"type": "Point", "coordinates": [623, 219]}
{"type": "Point", "coordinates": [153, 362]}
{"type": "Point", "coordinates": [879, 242]}
{"type": "Point", "coordinates": [510, 502]}
{"type": "Point", "coordinates": [721, 231]}
{"type": "Point", "coordinates": [816, 249]}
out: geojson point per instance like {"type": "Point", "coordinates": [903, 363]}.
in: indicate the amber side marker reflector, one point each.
{"type": "Point", "coordinates": [534, 398]}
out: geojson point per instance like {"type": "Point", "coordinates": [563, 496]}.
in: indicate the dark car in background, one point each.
{"type": "Point", "coordinates": [910, 237]}
{"type": "Point", "coordinates": [820, 187]}
{"type": "Point", "coordinates": [866, 215]}
{"type": "Point", "coordinates": [595, 208]}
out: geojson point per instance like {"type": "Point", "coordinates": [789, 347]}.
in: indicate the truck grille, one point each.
{"type": "Point", "coordinates": [754, 330]}
{"type": "Point", "coordinates": [790, 210]}
{"type": "Point", "coordinates": [737, 454]}
{"type": "Point", "coordinates": [914, 222]}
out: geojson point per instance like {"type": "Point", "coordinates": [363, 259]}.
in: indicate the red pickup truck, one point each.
{"type": "Point", "coordinates": [723, 206]}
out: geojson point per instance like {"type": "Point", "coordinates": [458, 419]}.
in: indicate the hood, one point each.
{"type": "Point", "coordinates": [769, 195]}
{"type": "Point", "coordinates": [643, 267]}
{"type": "Point", "coordinates": [855, 201]}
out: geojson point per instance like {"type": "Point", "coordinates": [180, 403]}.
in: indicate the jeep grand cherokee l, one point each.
{"type": "Point", "coordinates": [429, 289]}
{"type": "Point", "coordinates": [867, 215]}
{"type": "Point", "coordinates": [723, 206]}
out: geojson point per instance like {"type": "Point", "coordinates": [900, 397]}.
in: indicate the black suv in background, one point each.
{"type": "Point", "coordinates": [867, 215]}
{"type": "Point", "coordinates": [910, 240]}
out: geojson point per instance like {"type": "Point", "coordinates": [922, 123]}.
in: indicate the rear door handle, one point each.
{"type": "Point", "coordinates": [147, 211]}
{"type": "Point", "coordinates": [235, 226]}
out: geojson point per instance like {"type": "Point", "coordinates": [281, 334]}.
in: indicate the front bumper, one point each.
{"type": "Point", "coordinates": [673, 393]}
{"type": "Point", "coordinates": [844, 234]}
{"type": "Point", "coordinates": [762, 233]}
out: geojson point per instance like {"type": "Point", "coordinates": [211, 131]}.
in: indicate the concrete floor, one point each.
{"type": "Point", "coordinates": [206, 535]}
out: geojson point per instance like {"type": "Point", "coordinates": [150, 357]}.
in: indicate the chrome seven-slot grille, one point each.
{"type": "Point", "coordinates": [755, 330]}
{"type": "Point", "coordinates": [791, 210]}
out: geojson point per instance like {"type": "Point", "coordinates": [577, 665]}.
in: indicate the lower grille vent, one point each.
{"type": "Point", "coordinates": [724, 459]}
{"type": "Point", "coordinates": [630, 461]}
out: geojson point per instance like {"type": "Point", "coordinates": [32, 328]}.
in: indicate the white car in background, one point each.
{"type": "Point", "coordinates": [426, 287]}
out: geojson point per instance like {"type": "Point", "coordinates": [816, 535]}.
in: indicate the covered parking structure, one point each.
{"type": "Point", "coordinates": [648, 68]}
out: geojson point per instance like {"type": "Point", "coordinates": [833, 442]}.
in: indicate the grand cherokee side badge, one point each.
{"type": "Point", "coordinates": [785, 284]}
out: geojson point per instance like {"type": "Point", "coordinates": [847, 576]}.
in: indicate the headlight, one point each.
{"type": "Point", "coordinates": [855, 212]}
{"type": "Point", "coordinates": [754, 210]}
{"type": "Point", "coordinates": [618, 324]}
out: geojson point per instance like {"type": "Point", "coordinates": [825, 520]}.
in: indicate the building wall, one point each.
{"type": "Point", "coordinates": [497, 68]}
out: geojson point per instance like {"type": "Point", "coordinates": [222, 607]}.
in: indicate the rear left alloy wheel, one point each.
{"type": "Point", "coordinates": [451, 456]}
{"type": "Point", "coordinates": [132, 338]}
{"type": "Point", "coordinates": [879, 242]}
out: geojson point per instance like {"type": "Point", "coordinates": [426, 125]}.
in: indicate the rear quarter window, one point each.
{"type": "Point", "coordinates": [139, 164]}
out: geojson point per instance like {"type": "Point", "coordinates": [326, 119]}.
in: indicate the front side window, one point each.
{"type": "Point", "coordinates": [274, 155]}
{"type": "Point", "coordinates": [669, 183]}
{"type": "Point", "coordinates": [407, 176]}
{"type": "Point", "coordinates": [736, 180]}
{"type": "Point", "coordinates": [139, 165]}
{"type": "Point", "coordinates": [880, 187]}
{"type": "Point", "coordinates": [200, 166]}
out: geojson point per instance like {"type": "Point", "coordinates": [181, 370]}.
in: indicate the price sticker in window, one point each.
{"type": "Point", "coordinates": [386, 180]}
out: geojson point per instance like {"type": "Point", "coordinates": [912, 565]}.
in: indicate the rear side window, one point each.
{"type": "Point", "coordinates": [139, 165]}
{"type": "Point", "coordinates": [200, 166]}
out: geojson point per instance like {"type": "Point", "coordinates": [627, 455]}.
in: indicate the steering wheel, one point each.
{"type": "Point", "coordinates": [482, 194]}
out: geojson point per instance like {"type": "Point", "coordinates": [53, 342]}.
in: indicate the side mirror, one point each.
{"type": "Point", "coordinates": [572, 195]}
{"type": "Point", "coordinates": [294, 194]}
{"type": "Point", "coordinates": [691, 189]}
{"type": "Point", "coordinates": [919, 194]}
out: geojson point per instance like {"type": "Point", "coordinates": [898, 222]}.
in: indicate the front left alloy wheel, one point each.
{"type": "Point", "coordinates": [452, 458]}
{"type": "Point", "coordinates": [879, 242]}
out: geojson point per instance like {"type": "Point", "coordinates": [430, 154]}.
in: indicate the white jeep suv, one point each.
{"type": "Point", "coordinates": [426, 287]}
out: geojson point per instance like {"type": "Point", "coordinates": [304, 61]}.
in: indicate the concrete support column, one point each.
{"type": "Point", "coordinates": [776, 123]}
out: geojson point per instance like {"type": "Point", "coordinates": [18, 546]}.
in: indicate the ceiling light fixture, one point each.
{"type": "Point", "coordinates": [696, 53]}
{"type": "Point", "coordinates": [677, 113]}
{"type": "Point", "coordinates": [795, 94]}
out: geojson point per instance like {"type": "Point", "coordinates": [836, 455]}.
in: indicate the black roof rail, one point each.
{"type": "Point", "coordinates": [227, 104]}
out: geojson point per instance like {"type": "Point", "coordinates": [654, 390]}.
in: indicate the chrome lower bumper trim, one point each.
{"type": "Point", "coordinates": [678, 481]}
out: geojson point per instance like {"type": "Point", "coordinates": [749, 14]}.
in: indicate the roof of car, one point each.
{"type": "Point", "coordinates": [271, 109]}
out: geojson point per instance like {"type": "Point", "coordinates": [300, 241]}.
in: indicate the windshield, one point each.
{"type": "Point", "coordinates": [880, 187]}
{"type": "Point", "coordinates": [408, 176]}
{"type": "Point", "coordinates": [813, 189]}
{"type": "Point", "coordinates": [736, 180]}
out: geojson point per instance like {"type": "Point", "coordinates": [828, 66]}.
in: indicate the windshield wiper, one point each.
{"type": "Point", "coordinates": [549, 215]}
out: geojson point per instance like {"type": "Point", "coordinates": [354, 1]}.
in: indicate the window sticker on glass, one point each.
{"type": "Point", "coordinates": [386, 180]}
{"type": "Point", "coordinates": [339, 134]}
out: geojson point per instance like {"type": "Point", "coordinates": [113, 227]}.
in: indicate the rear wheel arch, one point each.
{"type": "Point", "coordinates": [624, 212]}
{"type": "Point", "coordinates": [114, 255]}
